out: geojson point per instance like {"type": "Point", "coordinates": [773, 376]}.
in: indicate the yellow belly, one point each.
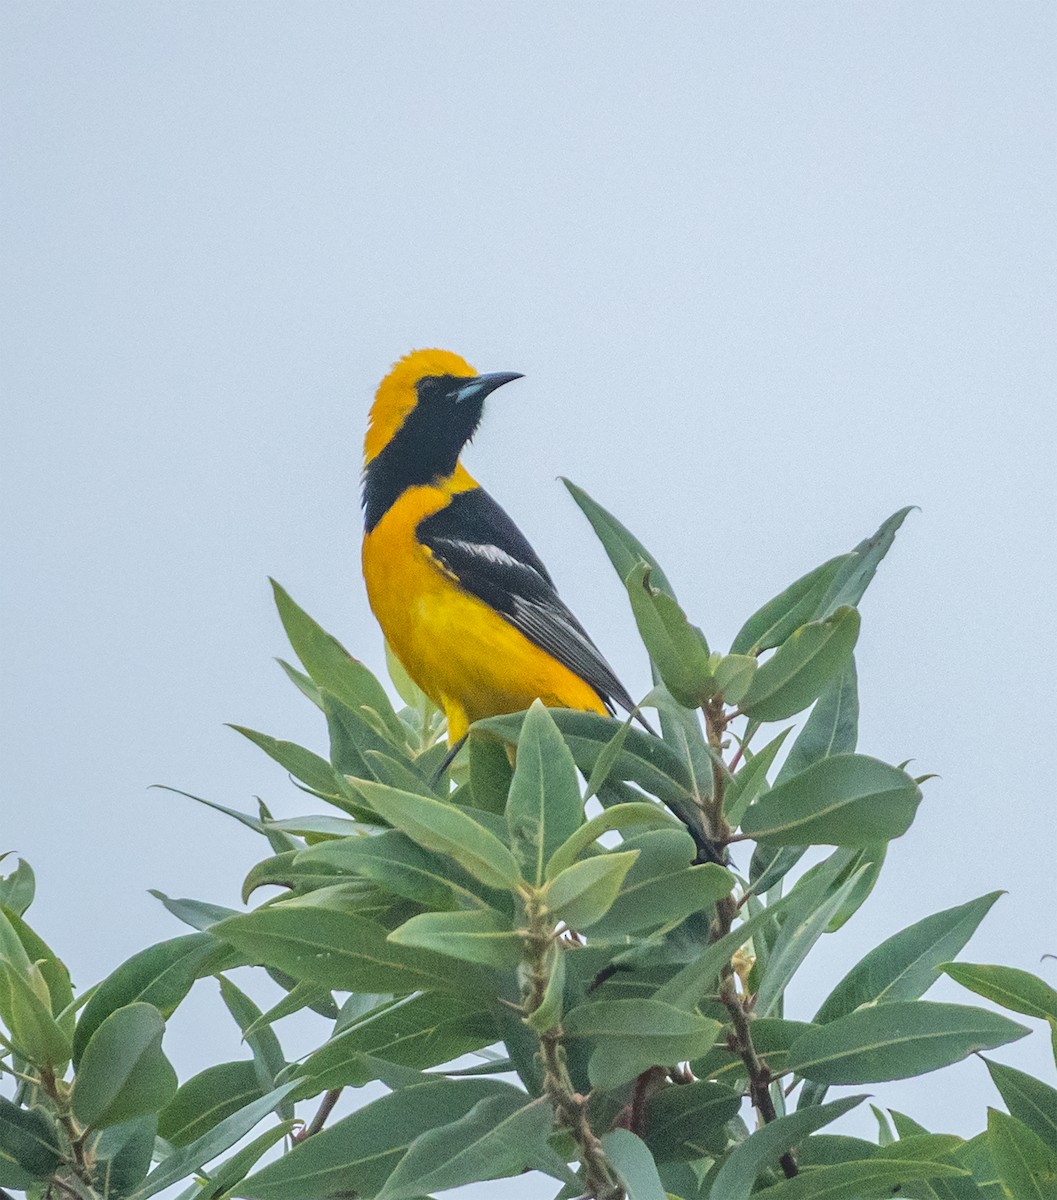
{"type": "Point", "coordinates": [465, 657]}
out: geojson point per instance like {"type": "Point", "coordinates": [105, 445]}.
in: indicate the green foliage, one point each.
{"type": "Point", "coordinates": [571, 906]}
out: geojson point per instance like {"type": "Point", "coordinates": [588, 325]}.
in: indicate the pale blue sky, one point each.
{"type": "Point", "coordinates": [771, 271]}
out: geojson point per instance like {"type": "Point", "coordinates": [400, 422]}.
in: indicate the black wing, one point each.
{"type": "Point", "coordinates": [480, 545]}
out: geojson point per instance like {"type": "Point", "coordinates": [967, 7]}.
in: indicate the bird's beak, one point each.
{"type": "Point", "coordinates": [483, 385]}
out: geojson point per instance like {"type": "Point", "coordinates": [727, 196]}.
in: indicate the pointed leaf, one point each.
{"type": "Point", "coordinates": [688, 1121]}
{"type": "Point", "coordinates": [339, 950]}
{"type": "Point", "coordinates": [859, 1180]}
{"type": "Point", "coordinates": [18, 888]}
{"type": "Point", "coordinates": [897, 1041]}
{"type": "Point", "coordinates": [802, 667]}
{"type": "Point", "coordinates": [1017, 990]}
{"type": "Point", "coordinates": [544, 806]}
{"type": "Point", "coordinates": [477, 936]}
{"type": "Point", "coordinates": [1028, 1099]}
{"type": "Point", "coordinates": [332, 667]}
{"type": "Point", "coordinates": [583, 893]}
{"type": "Point", "coordinates": [621, 817]}
{"type": "Point", "coordinates": [161, 975]}
{"type": "Point", "coordinates": [500, 1136]}
{"type": "Point", "coordinates": [858, 568]}
{"type": "Point", "coordinates": [905, 966]}
{"type": "Point", "coordinates": [208, 1098]}
{"type": "Point", "coordinates": [441, 827]}
{"type": "Point", "coordinates": [832, 728]}
{"type": "Point", "coordinates": [846, 800]}
{"type": "Point", "coordinates": [1026, 1166]}
{"type": "Point", "coordinates": [186, 1161]}
{"type": "Point", "coordinates": [418, 1031]}
{"type": "Point", "coordinates": [29, 1145]}
{"type": "Point", "coordinates": [771, 625]}
{"type": "Point", "coordinates": [624, 549]}
{"type": "Point", "coordinates": [767, 1145]}
{"type": "Point", "coordinates": [358, 1153]}
{"type": "Point", "coordinates": [645, 760]}
{"type": "Point", "coordinates": [678, 649]}
{"type": "Point", "coordinates": [633, 1035]}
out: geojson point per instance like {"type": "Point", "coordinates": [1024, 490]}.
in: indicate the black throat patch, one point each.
{"type": "Point", "coordinates": [425, 448]}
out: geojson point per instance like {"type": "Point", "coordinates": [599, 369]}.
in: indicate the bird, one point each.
{"type": "Point", "coordinates": [463, 600]}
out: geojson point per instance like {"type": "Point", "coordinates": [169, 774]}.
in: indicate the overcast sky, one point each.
{"type": "Point", "coordinates": [771, 271]}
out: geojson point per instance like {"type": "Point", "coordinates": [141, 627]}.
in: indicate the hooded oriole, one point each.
{"type": "Point", "coordinates": [462, 598]}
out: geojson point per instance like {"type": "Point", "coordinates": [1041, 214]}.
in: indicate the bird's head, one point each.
{"type": "Point", "coordinates": [425, 410]}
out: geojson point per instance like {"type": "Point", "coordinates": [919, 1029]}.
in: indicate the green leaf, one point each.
{"type": "Point", "coordinates": [53, 972]}
{"type": "Point", "coordinates": [500, 1136]}
{"type": "Point", "coordinates": [418, 1031]}
{"type": "Point", "coordinates": [490, 773]}
{"type": "Point", "coordinates": [767, 1145]}
{"type": "Point", "coordinates": [549, 1011]}
{"type": "Point", "coordinates": [313, 771]}
{"type": "Point", "coordinates": [358, 1153]}
{"type": "Point", "coordinates": [278, 841]}
{"type": "Point", "coordinates": [161, 975]}
{"type": "Point", "coordinates": [29, 1145]}
{"type": "Point", "coordinates": [339, 950]}
{"type": "Point", "coordinates": [771, 625]}
{"type": "Point", "coordinates": [123, 1071]}
{"type": "Point", "coordinates": [332, 667]}
{"type": "Point", "coordinates": [583, 893]}
{"type": "Point", "coordinates": [186, 1161]}
{"type": "Point", "coordinates": [689, 1121]}
{"type": "Point", "coordinates": [846, 800]}
{"type": "Point", "coordinates": [1028, 1099]}
{"type": "Point", "coordinates": [802, 667]}
{"type": "Point", "coordinates": [751, 781]}
{"type": "Point", "coordinates": [121, 1155]}
{"type": "Point", "coordinates": [208, 1098]}
{"type": "Point", "coordinates": [858, 568]}
{"type": "Point", "coordinates": [634, 1164]}
{"type": "Point", "coordinates": [772, 1038]}
{"type": "Point", "coordinates": [197, 913]}
{"type": "Point", "coordinates": [734, 675]}
{"type": "Point", "coordinates": [233, 1170]}
{"type": "Point", "coordinates": [477, 936]}
{"type": "Point", "coordinates": [302, 682]}
{"type": "Point", "coordinates": [625, 551]}
{"type": "Point", "coordinates": [678, 649]}
{"type": "Point", "coordinates": [544, 807]}
{"type": "Point", "coordinates": [441, 827]}
{"type": "Point", "coordinates": [661, 886]}
{"type": "Point", "coordinates": [268, 1058]}
{"type": "Point", "coordinates": [897, 1041]}
{"type": "Point", "coordinates": [1026, 1166]}
{"type": "Point", "coordinates": [905, 966]}
{"type": "Point", "coordinates": [859, 1180]}
{"type": "Point", "coordinates": [621, 817]}
{"type": "Point", "coordinates": [632, 1035]}
{"type": "Point", "coordinates": [687, 987]}
{"type": "Point", "coordinates": [18, 888]}
{"type": "Point", "coordinates": [1017, 990]}
{"type": "Point", "coordinates": [645, 760]}
{"type": "Point", "coordinates": [799, 932]}
{"type": "Point", "coordinates": [392, 860]}
{"type": "Point", "coordinates": [25, 1009]}
{"type": "Point", "coordinates": [832, 728]}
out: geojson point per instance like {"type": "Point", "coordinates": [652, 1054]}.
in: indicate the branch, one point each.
{"type": "Point", "coordinates": [726, 909]}
{"type": "Point", "coordinates": [569, 1106]}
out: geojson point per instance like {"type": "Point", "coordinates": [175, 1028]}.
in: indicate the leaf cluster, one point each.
{"type": "Point", "coordinates": [570, 952]}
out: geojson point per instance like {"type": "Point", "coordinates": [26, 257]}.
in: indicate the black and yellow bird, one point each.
{"type": "Point", "coordinates": [462, 598]}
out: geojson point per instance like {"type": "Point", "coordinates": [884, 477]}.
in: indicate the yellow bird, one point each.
{"type": "Point", "coordinates": [464, 601]}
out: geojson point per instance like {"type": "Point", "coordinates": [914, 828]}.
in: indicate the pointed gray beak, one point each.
{"type": "Point", "coordinates": [483, 385]}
